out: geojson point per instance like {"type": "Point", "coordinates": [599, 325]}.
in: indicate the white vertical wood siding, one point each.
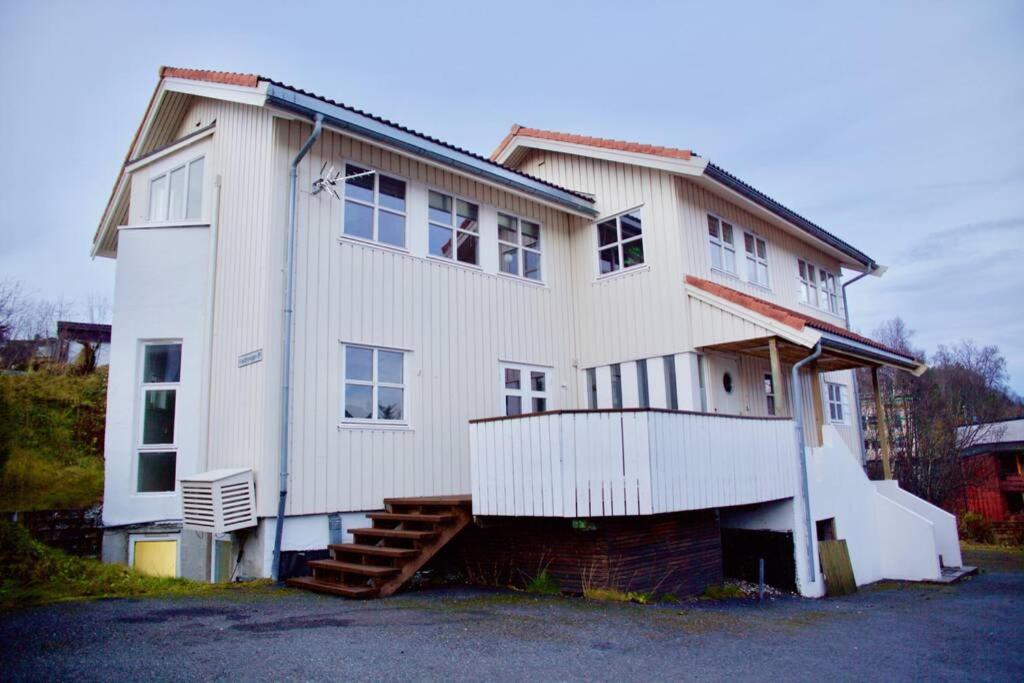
{"type": "Point", "coordinates": [622, 463]}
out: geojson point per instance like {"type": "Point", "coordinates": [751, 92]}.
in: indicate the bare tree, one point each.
{"type": "Point", "coordinates": [11, 299]}
{"type": "Point", "coordinates": [96, 308]}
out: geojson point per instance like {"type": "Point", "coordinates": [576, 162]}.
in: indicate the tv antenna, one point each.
{"type": "Point", "coordinates": [328, 182]}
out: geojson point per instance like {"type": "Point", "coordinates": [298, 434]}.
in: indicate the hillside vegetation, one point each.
{"type": "Point", "coordinates": [51, 438]}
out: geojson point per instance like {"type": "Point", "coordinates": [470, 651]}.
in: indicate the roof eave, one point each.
{"type": "Point", "coordinates": [366, 127]}
{"type": "Point", "coordinates": [875, 355]}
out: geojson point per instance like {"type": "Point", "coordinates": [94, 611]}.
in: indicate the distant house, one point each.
{"type": "Point", "coordinates": [596, 356]}
{"type": "Point", "coordinates": [73, 337]}
{"type": "Point", "coordinates": [993, 467]}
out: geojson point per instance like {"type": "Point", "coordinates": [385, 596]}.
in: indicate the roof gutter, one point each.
{"type": "Point", "coordinates": [730, 181]}
{"type": "Point", "coordinates": [286, 356]}
{"type": "Point", "coordinates": [801, 447]}
{"type": "Point", "coordinates": [367, 127]}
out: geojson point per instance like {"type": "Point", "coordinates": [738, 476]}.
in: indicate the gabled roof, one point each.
{"type": "Point", "coordinates": [684, 162]}
{"type": "Point", "coordinates": [264, 91]}
{"type": "Point", "coordinates": [787, 316]}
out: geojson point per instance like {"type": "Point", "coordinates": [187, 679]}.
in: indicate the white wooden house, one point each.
{"type": "Point", "coordinates": [577, 340]}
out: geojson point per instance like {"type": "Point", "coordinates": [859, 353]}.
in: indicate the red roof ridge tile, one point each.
{"type": "Point", "coordinates": [605, 143]}
{"type": "Point", "coordinates": [786, 316]}
{"type": "Point", "coordinates": [226, 77]}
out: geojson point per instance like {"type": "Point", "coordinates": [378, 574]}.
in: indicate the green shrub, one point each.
{"type": "Point", "coordinates": [976, 528]}
{"type": "Point", "coordinates": [722, 591]}
{"type": "Point", "coordinates": [543, 584]}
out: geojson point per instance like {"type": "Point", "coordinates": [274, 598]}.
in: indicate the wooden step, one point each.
{"type": "Point", "coordinates": [432, 501]}
{"type": "Point", "coordinates": [352, 568]}
{"type": "Point", "coordinates": [410, 517]}
{"type": "Point", "coordinates": [395, 533]}
{"type": "Point", "coordinates": [309, 583]}
{"type": "Point", "coordinates": [380, 551]}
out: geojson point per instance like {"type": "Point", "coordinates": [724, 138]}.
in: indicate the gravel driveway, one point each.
{"type": "Point", "coordinates": [972, 630]}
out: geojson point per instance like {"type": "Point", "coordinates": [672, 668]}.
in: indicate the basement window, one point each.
{"type": "Point", "coordinates": [374, 384]}
{"type": "Point", "coordinates": [620, 243]}
{"type": "Point", "coordinates": [374, 206]}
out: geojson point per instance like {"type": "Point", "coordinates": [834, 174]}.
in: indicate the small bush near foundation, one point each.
{"type": "Point", "coordinates": [543, 584]}
{"type": "Point", "coordinates": [976, 528]}
{"type": "Point", "coordinates": [613, 595]}
{"type": "Point", "coordinates": [32, 573]}
{"type": "Point", "coordinates": [722, 591]}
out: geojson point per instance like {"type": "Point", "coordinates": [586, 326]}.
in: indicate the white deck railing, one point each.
{"type": "Point", "coordinates": [627, 462]}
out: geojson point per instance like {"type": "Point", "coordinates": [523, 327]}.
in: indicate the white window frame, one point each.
{"type": "Point", "coordinates": [520, 247]}
{"type": "Point", "coordinates": [824, 283]}
{"type": "Point", "coordinates": [165, 175]}
{"type": "Point", "coordinates": [756, 259]}
{"type": "Point", "coordinates": [717, 242]}
{"type": "Point", "coordinates": [375, 206]}
{"type": "Point", "coordinates": [619, 243]}
{"type": "Point", "coordinates": [456, 230]}
{"type": "Point", "coordinates": [525, 392]}
{"type": "Point", "coordinates": [836, 403]}
{"type": "Point", "coordinates": [373, 382]}
{"type": "Point", "coordinates": [135, 538]}
{"type": "Point", "coordinates": [771, 399]}
{"type": "Point", "coordinates": [141, 388]}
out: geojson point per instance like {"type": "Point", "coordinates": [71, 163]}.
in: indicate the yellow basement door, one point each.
{"type": "Point", "coordinates": [156, 558]}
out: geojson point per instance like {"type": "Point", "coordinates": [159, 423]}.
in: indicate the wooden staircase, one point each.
{"type": "Point", "coordinates": [384, 557]}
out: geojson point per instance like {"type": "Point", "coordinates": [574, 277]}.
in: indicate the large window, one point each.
{"type": "Point", "coordinates": [177, 194]}
{"type": "Point", "coordinates": [722, 243]}
{"type": "Point", "coordinates": [620, 243]}
{"type": "Point", "coordinates": [454, 228]}
{"type": "Point", "coordinates": [818, 287]}
{"type": "Point", "coordinates": [374, 206]}
{"type": "Point", "coordinates": [519, 247]}
{"type": "Point", "coordinates": [757, 259]}
{"type": "Point", "coordinates": [837, 405]}
{"type": "Point", "coordinates": [157, 450]}
{"type": "Point", "coordinates": [374, 384]}
{"type": "Point", "coordinates": [524, 388]}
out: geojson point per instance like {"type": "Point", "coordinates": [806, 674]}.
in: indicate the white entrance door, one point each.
{"type": "Point", "coordinates": [724, 381]}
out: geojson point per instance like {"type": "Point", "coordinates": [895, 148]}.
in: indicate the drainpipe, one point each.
{"type": "Point", "coordinates": [211, 303]}
{"type": "Point", "coordinates": [798, 416]}
{"type": "Point", "coordinates": [856, 384]}
{"type": "Point", "coordinates": [286, 355]}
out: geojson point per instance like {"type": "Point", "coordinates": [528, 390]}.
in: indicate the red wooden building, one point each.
{"type": "Point", "coordinates": [994, 470]}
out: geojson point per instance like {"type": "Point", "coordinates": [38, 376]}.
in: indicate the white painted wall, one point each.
{"type": "Point", "coordinates": [159, 294]}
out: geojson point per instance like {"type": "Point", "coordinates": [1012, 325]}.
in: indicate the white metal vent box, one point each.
{"type": "Point", "coordinates": [219, 501]}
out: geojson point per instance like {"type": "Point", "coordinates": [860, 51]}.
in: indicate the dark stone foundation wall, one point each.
{"type": "Point", "coordinates": [678, 553]}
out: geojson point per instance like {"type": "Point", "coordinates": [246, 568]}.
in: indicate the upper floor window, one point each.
{"type": "Point", "coordinates": [524, 388]}
{"type": "Point", "coordinates": [818, 287]}
{"type": "Point", "coordinates": [374, 206]}
{"type": "Point", "coordinates": [454, 228]}
{"type": "Point", "coordinates": [620, 242]}
{"type": "Point", "coordinates": [519, 246]}
{"type": "Point", "coordinates": [177, 194]}
{"type": "Point", "coordinates": [374, 384]}
{"type": "Point", "coordinates": [837, 406]}
{"type": "Point", "coordinates": [757, 259]}
{"type": "Point", "coordinates": [157, 450]}
{"type": "Point", "coordinates": [721, 240]}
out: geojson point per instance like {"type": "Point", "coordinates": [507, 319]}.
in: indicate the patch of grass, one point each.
{"type": "Point", "coordinates": [614, 595]}
{"type": "Point", "coordinates": [721, 591]}
{"type": "Point", "coordinates": [543, 584]}
{"type": "Point", "coordinates": [34, 574]}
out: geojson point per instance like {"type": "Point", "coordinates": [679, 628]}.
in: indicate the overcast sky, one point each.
{"type": "Point", "coordinates": [897, 126]}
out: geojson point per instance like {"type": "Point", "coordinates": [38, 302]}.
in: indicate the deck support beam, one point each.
{"type": "Point", "coordinates": [819, 410]}
{"type": "Point", "coordinates": [882, 428]}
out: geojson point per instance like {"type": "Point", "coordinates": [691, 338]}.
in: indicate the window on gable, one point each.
{"type": "Point", "coordinates": [818, 287]}
{"type": "Point", "coordinates": [374, 384]}
{"type": "Point", "coordinates": [374, 206]}
{"type": "Point", "coordinates": [519, 247]}
{"type": "Point", "coordinates": [454, 228]}
{"type": "Point", "coordinates": [157, 451]}
{"type": "Point", "coordinates": [177, 194]}
{"type": "Point", "coordinates": [524, 388]}
{"type": "Point", "coordinates": [757, 259]}
{"type": "Point", "coordinates": [837, 406]}
{"type": "Point", "coordinates": [620, 243]}
{"type": "Point", "coordinates": [721, 242]}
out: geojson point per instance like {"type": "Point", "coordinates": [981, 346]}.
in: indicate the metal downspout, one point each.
{"type": "Point", "coordinates": [286, 355]}
{"type": "Point", "coordinates": [856, 383]}
{"type": "Point", "coordinates": [798, 416]}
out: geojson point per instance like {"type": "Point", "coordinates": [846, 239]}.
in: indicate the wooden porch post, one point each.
{"type": "Point", "coordinates": [819, 411]}
{"type": "Point", "coordinates": [778, 384]}
{"type": "Point", "coordinates": [882, 428]}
